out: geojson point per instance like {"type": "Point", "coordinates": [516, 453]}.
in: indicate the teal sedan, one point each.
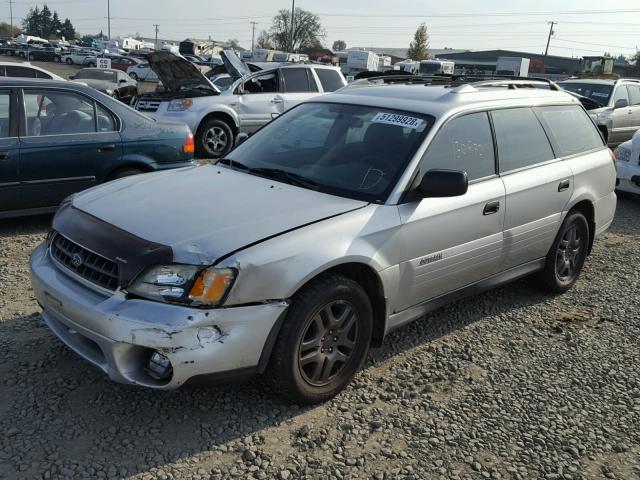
{"type": "Point", "coordinates": [58, 137]}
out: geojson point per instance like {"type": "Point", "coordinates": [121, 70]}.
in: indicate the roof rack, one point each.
{"type": "Point", "coordinates": [456, 80]}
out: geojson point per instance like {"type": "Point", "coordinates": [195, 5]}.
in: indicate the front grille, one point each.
{"type": "Point", "coordinates": [84, 263]}
{"type": "Point", "coordinates": [147, 105]}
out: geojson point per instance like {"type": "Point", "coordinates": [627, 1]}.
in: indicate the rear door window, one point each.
{"type": "Point", "coordinates": [5, 123]}
{"type": "Point", "coordinates": [464, 143]}
{"type": "Point", "coordinates": [520, 139]}
{"type": "Point", "coordinates": [22, 72]}
{"type": "Point", "coordinates": [297, 80]}
{"type": "Point", "coordinates": [58, 113]}
{"type": "Point", "coordinates": [331, 80]}
{"type": "Point", "coordinates": [570, 129]}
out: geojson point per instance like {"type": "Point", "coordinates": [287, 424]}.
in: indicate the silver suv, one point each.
{"type": "Point", "coordinates": [253, 100]}
{"type": "Point", "coordinates": [618, 115]}
{"type": "Point", "coordinates": [343, 219]}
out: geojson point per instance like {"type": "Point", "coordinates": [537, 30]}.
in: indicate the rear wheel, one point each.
{"type": "Point", "coordinates": [214, 138]}
{"type": "Point", "coordinates": [566, 256]}
{"type": "Point", "coordinates": [31, 57]}
{"type": "Point", "coordinates": [124, 172]}
{"type": "Point", "coordinates": [323, 342]}
{"type": "Point", "coordinates": [91, 64]}
{"type": "Point", "coordinates": [69, 61]}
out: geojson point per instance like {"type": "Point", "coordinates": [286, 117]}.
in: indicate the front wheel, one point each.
{"type": "Point", "coordinates": [134, 76]}
{"type": "Point", "coordinates": [69, 61]}
{"type": "Point", "coordinates": [214, 138]}
{"type": "Point", "coordinates": [323, 342]}
{"type": "Point", "coordinates": [91, 65]}
{"type": "Point", "coordinates": [566, 256]}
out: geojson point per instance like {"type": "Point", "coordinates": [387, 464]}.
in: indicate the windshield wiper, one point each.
{"type": "Point", "coordinates": [288, 177]}
{"type": "Point", "coordinates": [233, 164]}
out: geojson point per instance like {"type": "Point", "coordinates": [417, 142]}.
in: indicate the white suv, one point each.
{"type": "Point", "coordinates": [253, 100]}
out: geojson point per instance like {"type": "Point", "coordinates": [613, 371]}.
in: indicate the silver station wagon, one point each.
{"type": "Point", "coordinates": [343, 219]}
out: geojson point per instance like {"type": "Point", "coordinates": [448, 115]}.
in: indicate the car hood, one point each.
{"type": "Point", "coordinates": [176, 73]}
{"type": "Point", "coordinates": [101, 85]}
{"type": "Point", "coordinates": [235, 67]}
{"type": "Point", "coordinates": [206, 212]}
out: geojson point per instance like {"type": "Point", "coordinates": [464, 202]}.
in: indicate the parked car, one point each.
{"type": "Point", "coordinates": [619, 105]}
{"type": "Point", "coordinates": [114, 83]}
{"type": "Point", "coordinates": [123, 63]}
{"type": "Point", "coordinates": [80, 57]}
{"type": "Point", "coordinates": [249, 103]}
{"type": "Point", "coordinates": [26, 70]}
{"type": "Point", "coordinates": [628, 165]}
{"type": "Point", "coordinates": [347, 217]}
{"type": "Point", "coordinates": [63, 137]}
{"type": "Point", "coordinates": [45, 53]}
{"type": "Point", "coordinates": [142, 72]}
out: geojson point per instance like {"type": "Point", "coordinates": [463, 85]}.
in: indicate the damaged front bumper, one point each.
{"type": "Point", "coordinates": [119, 335]}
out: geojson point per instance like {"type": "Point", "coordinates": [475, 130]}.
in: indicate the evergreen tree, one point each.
{"type": "Point", "coordinates": [418, 48]}
{"type": "Point", "coordinates": [67, 30]}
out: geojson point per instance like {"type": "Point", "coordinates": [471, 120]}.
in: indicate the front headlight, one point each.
{"type": "Point", "coordinates": [186, 284]}
{"type": "Point", "coordinates": [180, 105]}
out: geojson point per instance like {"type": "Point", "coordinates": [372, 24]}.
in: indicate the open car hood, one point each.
{"type": "Point", "coordinates": [177, 74]}
{"type": "Point", "coordinates": [235, 67]}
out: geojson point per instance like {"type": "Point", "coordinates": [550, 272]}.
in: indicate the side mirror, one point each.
{"type": "Point", "coordinates": [123, 80]}
{"type": "Point", "coordinates": [621, 103]}
{"type": "Point", "coordinates": [443, 183]}
{"type": "Point", "coordinates": [241, 138]}
{"type": "Point", "coordinates": [72, 77]}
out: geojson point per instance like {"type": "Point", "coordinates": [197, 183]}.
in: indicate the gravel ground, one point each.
{"type": "Point", "coordinates": [509, 384]}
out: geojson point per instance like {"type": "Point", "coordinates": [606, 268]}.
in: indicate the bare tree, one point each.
{"type": "Point", "coordinates": [307, 30]}
{"type": "Point", "coordinates": [264, 40]}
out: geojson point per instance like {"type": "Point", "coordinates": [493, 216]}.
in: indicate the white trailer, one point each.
{"type": "Point", "coordinates": [408, 66]}
{"type": "Point", "coordinates": [512, 66]}
{"type": "Point", "coordinates": [436, 67]}
{"type": "Point", "coordinates": [362, 60]}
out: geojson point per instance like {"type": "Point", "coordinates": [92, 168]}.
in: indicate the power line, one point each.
{"type": "Point", "coordinates": [494, 14]}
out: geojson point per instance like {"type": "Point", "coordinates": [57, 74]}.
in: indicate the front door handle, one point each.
{"type": "Point", "coordinates": [277, 100]}
{"type": "Point", "coordinates": [4, 155]}
{"type": "Point", "coordinates": [107, 148]}
{"type": "Point", "coordinates": [491, 208]}
{"type": "Point", "coordinates": [564, 185]}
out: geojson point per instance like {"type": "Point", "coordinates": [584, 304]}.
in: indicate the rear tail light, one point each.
{"type": "Point", "coordinates": [189, 144]}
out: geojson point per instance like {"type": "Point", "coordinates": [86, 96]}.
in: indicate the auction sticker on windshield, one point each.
{"type": "Point", "coordinates": [399, 120]}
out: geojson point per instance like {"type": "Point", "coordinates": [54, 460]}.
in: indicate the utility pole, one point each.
{"type": "Point", "coordinates": [157, 27]}
{"type": "Point", "coordinates": [253, 34]}
{"type": "Point", "coordinates": [293, 9]}
{"type": "Point", "coordinates": [551, 32]}
{"type": "Point", "coordinates": [11, 14]}
{"type": "Point", "coordinates": [109, 19]}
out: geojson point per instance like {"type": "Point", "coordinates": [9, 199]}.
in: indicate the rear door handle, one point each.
{"type": "Point", "coordinates": [491, 208]}
{"type": "Point", "coordinates": [277, 100]}
{"type": "Point", "coordinates": [107, 148]}
{"type": "Point", "coordinates": [564, 185]}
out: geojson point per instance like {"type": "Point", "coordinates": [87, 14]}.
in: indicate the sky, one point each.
{"type": "Point", "coordinates": [585, 27]}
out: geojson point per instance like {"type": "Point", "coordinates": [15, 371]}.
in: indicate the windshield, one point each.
{"type": "Point", "coordinates": [96, 74]}
{"type": "Point", "coordinates": [595, 91]}
{"type": "Point", "coordinates": [430, 68]}
{"type": "Point", "coordinates": [348, 150]}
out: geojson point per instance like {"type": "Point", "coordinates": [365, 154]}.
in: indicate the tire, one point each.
{"type": "Point", "coordinates": [91, 64]}
{"type": "Point", "coordinates": [69, 61]}
{"type": "Point", "coordinates": [124, 172]}
{"type": "Point", "coordinates": [214, 138]}
{"type": "Point", "coordinates": [566, 257]}
{"type": "Point", "coordinates": [134, 75]}
{"type": "Point", "coordinates": [57, 59]}
{"type": "Point", "coordinates": [31, 57]}
{"type": "Point", "coordinates": [305, 336]}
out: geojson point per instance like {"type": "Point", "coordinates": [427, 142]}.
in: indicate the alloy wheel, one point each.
{"type": "Point", "coordinates": [330, 337]}
{"type": "Point", "coordinates": [216, 139]}
{"type": "Point", "coordinates": [568, 254]}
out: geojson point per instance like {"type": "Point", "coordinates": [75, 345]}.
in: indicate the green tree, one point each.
{"type": "Point", "coordinates": [31, 22]}
{"type": "Point", "coordinates": [5, 30]}
{"type": "Point", "coordinates": [46, 22]}
{"type": "Point", "coordinates": [67, 30]}
{"type": "Point", "coordinates": [307, 30]}
{"type": "Point", "coordinates": [339, 45]}
{"type": "Point", "coordinates": [43, 23]}
{"type": "Point", "coordinates": [232, 44]}
{"type": "Point", "coordinates": [420, 45]}
{"type": "Point", "coordinates": [56, 25]}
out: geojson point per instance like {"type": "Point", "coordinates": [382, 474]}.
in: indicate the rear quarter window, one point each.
{"type": "Point", "coordinates": [570, 129]}
{"type": "Point", "coordinates": [331, 80]}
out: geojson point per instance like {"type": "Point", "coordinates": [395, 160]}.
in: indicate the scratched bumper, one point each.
{"type": "Point", "coordinates": [117, 335]}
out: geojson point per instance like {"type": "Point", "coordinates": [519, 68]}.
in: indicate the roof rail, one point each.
{"type": "Point", "coordinates": [457, 80]}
